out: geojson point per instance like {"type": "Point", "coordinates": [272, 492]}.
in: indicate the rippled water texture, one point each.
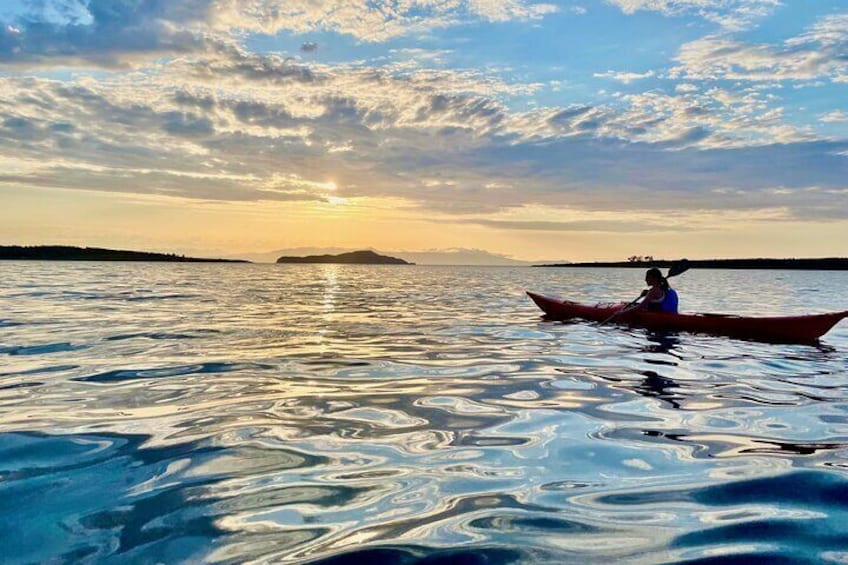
{"type": "Point", "coordinates": [338, 414]}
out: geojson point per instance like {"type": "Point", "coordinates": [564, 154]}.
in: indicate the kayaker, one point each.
{"type": "Point", "coordinates": [660, 297]}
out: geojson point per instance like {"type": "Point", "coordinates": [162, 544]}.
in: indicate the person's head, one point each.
{"type": "Point", "coordinates": [654, 277]}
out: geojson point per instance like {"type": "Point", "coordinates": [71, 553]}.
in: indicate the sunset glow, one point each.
{"type": "Point", "coordinates": [537, 130]}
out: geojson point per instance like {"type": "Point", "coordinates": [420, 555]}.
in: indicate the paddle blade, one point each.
{"type": "Point", "coordinates": [678, 268]}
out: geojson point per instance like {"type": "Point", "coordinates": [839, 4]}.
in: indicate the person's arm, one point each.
{"type": "Point", "coordinates": [652, 296]}
{"type": "Point", "coordinates": [635, 305]}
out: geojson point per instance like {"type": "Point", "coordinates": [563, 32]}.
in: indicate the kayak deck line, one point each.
{"type": "Point", "coordinates": [784, 329]}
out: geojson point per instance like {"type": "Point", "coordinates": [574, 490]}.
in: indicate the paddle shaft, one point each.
{"type": "Point", "coordinates": [623, 309]}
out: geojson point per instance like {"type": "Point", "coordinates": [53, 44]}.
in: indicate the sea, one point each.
{"type": "Point", "coordinates": [259, 413]}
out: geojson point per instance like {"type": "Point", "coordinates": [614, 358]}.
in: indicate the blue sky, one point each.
{"type": "Point", "coordinates": [518, 126]}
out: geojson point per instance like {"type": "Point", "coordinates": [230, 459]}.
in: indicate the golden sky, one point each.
{"type": "Point", "coordinates": [221, 228]}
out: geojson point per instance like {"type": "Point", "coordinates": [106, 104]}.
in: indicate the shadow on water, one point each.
{"type": "Point", "coordinates": [795, 517]}
{"type": "Point", "coordinates": [91, 496]}
{"type": "Point", "coordinates": [651, 383]}
{"type": "Point", "coordinates": [676, 395]}
{"type": "Point", "coordinates": [655, 385]}
{"type": "Point", "coordinates": [108, 496]}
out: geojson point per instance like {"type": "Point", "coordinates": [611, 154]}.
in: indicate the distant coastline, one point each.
{"type": "Point", "coordinates": [352, 258]}
{"type": "Point", "coordinates": [70, 253]}
{"type": "Point", "coordinates": [823, 264]}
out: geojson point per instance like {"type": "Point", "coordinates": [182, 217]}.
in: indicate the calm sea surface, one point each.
{"type": "Point", "coordinates": [352, 414]}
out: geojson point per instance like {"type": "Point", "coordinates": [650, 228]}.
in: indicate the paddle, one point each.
{"type": "Point", "coordinates": [677, 268]}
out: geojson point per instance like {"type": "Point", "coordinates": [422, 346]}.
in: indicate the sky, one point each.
{"type": "Point", "coordinates": [571, 129]}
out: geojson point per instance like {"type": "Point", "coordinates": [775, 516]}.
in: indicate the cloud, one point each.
{"type": "Point", "coordinates": [227, 127]}
{"type": "Point", "coordinates": [837, 116]}
{"type": "Point", "coordinates": [224, 123]}
{"type": "Point", "coordinates": [108, 33]}
{"type": "Point", "coordinates": [160, 183]}
{"type": "Point", "coordinates": [644, 177]}
{"type": "Point", "coordinates": [613, 225]}
{"type": "Point", "coordinates": [116, 33]}
{"type": "Point", "coordinates": [96, 136]}
{"type": "Point", "coordinates": [187, 124]}
{"type": "Point", "coordinates": [366, 20]}
{"type": "Point", "coordinates": [625, 78]}
{"type": "Point", "coordinates": [684, 88]}
{"type": "Point", "coordinates": [730, 14]}
{"type": "Point", "coordinates": [309, 47]}
{"type": "Point", "coordinates": [818, 53]}
{"type": "Point", "coordinates": [239, 65]}
{"type": "Point", "coordinates": [716, 117]}
{"type": "Point", "coordinates": [829, 31]}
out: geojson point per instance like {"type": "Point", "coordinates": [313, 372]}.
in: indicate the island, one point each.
{"type": "Point", "coordinates": [823, 264]}
{"type": "Point", "coordinates": [69, 253]}
{"type": "Point", "coordinates": [352, 258]}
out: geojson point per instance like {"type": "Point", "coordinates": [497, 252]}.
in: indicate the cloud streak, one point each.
{"type": "Point", "coordinates": [729, 14]}
{"type": "Point", "coordinates": [625, 77]}
{"type": "Point", "coordinates": [610, 226]}
{"type": "Point", "coordinates": [818, 53]}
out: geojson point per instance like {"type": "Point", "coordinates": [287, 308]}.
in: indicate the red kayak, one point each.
{"type": "Point", "coordinates": [791, 329]}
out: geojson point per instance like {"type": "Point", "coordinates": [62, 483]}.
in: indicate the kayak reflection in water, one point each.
{"type": "Point", "coordinates": [660, 297]}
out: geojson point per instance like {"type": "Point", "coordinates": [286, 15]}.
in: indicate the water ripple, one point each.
{"type": "Point", "coordinates": [134, 374]}
{"type": "Point", "coordinates": [342, 414]}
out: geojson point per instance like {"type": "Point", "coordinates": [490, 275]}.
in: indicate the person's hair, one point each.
{"type": "Point", "coordinates": [654, 272]}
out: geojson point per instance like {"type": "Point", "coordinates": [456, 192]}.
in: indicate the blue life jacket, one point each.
{"type": "Point", "coordinates": [669, 303]}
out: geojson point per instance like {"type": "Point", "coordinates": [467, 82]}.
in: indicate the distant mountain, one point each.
{"type": "Point", "coordinates": [366, 257]}
{"type": "Point", "coordinates": [471, 257]}
{"type": "Point", "coordinates": [68, 253]}
{"type": "Point", "coordinates": [455, 256]}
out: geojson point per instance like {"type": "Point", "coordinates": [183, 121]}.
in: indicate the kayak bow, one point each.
{"type": "Point", "coordinates": [791, 329]}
